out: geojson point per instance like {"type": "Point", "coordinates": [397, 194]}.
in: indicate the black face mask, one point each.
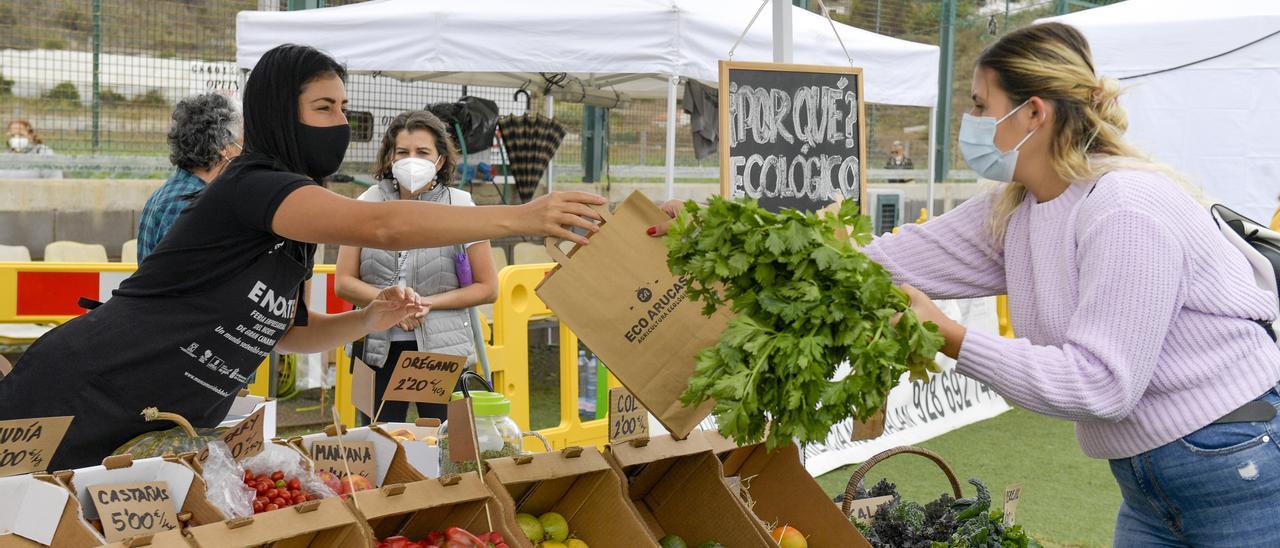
{"type": "Point", "coordinates": [322, 148]}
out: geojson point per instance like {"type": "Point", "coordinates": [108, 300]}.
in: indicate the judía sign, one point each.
{"type": "Point", "coordinates": [791, 136]}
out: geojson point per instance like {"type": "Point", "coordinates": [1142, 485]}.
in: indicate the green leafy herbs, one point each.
{"type": "Point", "coordinates": [943, 523]}
{"type": "Point", "coordinates": [805, 301]}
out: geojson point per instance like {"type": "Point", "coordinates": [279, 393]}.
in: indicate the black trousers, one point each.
{"type": "Point", "coordinates": [397, 411]}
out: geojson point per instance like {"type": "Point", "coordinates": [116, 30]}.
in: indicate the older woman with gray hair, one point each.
{"type": "Point", "coordinates": [207, 132]}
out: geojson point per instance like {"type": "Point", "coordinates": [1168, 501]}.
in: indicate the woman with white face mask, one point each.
{"type": "Point", "coordinates": [1136, 319]}
{"type": "Point", "coordinates": [417, 161]}
{"type": "Point", "coordinates": [22, 139]}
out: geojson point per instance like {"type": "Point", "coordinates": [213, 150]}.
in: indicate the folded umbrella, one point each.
{"type": "Point", "coordinates": [531, 141]}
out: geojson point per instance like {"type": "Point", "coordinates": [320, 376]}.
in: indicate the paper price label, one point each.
{"type": "Point", "coordinates": [628, 420]}
{"type": "Point", "coordinates": [133, 509]}
{"type": "Point", "coordinates": [462, 437]}
{"type": "Point", "coordinates": [425, 377]}
{"type": "Point", "coordinates": [1011, 496]}
{"type": "Point", "coordinates": [246, 439]}
{"type": "Point", "coordinates": [864, 510]}
{"type": "Point", "coordinates": [360, 456]}
{"type": "Point", "coordinates": [26, 445]}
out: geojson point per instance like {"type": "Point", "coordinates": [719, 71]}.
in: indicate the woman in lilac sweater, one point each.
{"type": "Point", "coordinates": [1136, 319]}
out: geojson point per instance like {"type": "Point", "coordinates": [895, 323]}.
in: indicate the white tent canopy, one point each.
{"type": "Point", "coordinates": [636, 45]}
{"type": "Point", "coordinates": [1212, 107]}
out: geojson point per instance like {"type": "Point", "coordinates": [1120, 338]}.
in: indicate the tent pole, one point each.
{"type": "Point", "coordinates": [933, 174]}
{"type": "Point", "coordinates": [551, 166]}
{"type": "Point", "coordinates": [782, 45]}
{"type": "Point", "coordinates": [673, 82]}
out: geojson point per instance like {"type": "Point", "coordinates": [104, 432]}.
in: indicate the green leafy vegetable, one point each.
{"type": "Point", "coordinates": [943, 523]}
{"type": "Point", "coordinates": [805, 301]}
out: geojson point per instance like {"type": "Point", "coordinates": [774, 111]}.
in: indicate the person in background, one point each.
{"type": "Point", "coordinates": [898, 160]}
{"type": "Point", "coordinates": [207, 132]}
{"type": "Point", "coordinates": [23, 139]}
{"type": "Point", "coordinates": [417, 161]}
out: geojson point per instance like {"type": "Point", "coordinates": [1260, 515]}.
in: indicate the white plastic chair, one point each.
{"type": "Point", "coordinates": [74, 252]}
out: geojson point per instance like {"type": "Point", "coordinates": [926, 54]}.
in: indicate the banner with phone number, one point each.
{"type": "Point", "coordinates": [917, 411]}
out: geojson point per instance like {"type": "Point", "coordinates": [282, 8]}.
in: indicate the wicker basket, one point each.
{"type": "Point", "coordinates": [847, 505]}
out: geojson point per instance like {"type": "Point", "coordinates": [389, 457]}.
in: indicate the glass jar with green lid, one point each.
{"type": "Point", "coordinates": [497, 434]}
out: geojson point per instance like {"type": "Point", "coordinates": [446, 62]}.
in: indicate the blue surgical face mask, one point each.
{"type": "Point", "coordinates": [978, 146]}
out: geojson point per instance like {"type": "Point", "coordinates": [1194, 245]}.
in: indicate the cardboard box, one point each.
{"type": "Point", "coordinates": [245, 405]}
{"type": "Point", "coordinates": [782, 492]}
{"type": "Point", "coordinates": [185, 486]}
{"type": "Point", "coordinates": [579, 484]}
{"type": "Point", "coordinates": [678, 488]}
{"type": "Point", "coordinates": [415, 509]}
{"type": "Point", "coordinates": [423, 456]}
{"type": "Point", "coordinates": [328, 523]}
{"type": "Point", "coordinates": [167, 539]}
{"type": "Point", "coordinates": [392, 464]}
{"type": "Point", "coordinates": [39, 511]}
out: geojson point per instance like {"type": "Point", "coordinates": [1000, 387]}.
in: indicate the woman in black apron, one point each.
{"type": "Point", "coordinates": [222, 289]}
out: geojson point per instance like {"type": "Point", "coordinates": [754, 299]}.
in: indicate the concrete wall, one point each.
{"type": "Point", "coordinates": [106, 211]}
{"type": "Point", "coordinates": [96, 211]}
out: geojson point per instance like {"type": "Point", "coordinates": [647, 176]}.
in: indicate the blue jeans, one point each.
{"type": "Point", "coordinates": [1217, 486]}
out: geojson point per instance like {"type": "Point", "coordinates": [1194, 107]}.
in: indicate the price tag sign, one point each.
{"type": "Point", "coordinates": [864, 510]}
{"type": "Point", "coordinates": [1011, 496]}
{"type": "Point", "coordinates": [360, 457]}
{"type": "Point", "coordinates": [628, 420]}
{"type": "Point", "coordinates": [462, 437]}
{"type": "Point", "coordinates": [26, 445]}
{"type": "Point", "coordinates": [134, 509]}
{"type": "Point", "coordinates": [425, 377]}
{"type": "Point", "coordinates": [245, 439]}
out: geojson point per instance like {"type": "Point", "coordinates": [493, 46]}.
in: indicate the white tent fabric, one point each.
{"type": "Point", "coordinates": [1214, 115]}
{"type": "Point", "coordinates": [632, 46]}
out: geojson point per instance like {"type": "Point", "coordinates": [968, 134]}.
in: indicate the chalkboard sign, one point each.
{"type": "Point", "coordinates": [792, 136]}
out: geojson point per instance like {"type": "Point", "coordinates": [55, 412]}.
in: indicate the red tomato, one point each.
{"type": "Point", "coordinates": [248, 476]}
{"type": "Point", "coordinates": [257, 507]}
{"type": "Point", "coordinates": [396, 542]}
{"type": "Point", "coordinates": [261, 478]}
{"type": "Point", "coordinates": [277, 475]}
{"type": "Point", "coordinates": [299, 498]}
{"type": "Point", "coordinates": [271, 507]}
{"type": "Point", "coordinates": [261, 488]}
{"type": "Point", "coordinates": [278, 502]}
{"type": "Point", "coordinates": [273, 493]}
{"type": "Point", "coordinates": [295, 485]}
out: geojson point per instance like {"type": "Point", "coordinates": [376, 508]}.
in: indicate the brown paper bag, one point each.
{"type": "Point", "coordinates": [618, 296]}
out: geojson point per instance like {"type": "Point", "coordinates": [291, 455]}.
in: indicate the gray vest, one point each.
{"type": "Point", "coordinates": [429, 271]}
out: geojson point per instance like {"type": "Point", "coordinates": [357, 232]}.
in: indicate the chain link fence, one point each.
{"type": "Point", "coordinates": [97, 80]}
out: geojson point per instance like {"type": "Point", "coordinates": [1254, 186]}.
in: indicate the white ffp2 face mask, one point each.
{"type": "Point", "coordinates": [18, 142]}
{"type": "Point", "coordinates": [414, 173]}
{"type": "Point", "coordinates": [977, 142]}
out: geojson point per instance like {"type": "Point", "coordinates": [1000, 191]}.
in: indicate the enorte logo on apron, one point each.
{"type": "Point", "coordinates": [256, 309]}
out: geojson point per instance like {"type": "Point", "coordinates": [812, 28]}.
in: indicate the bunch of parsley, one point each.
{"type": "Point", "coordinates": [805, 301]}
